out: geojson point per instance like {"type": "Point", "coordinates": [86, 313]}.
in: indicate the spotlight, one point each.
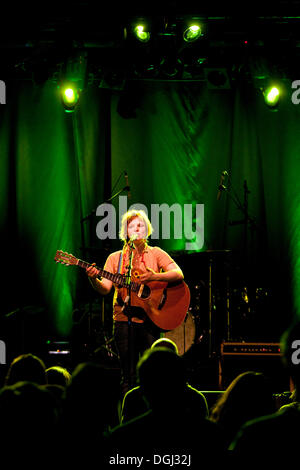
{"type": "Point", "coordinates": [141, 33]}
{"type": "Point", "coordinates": [72, 80]}
{"type": "Point", "coordinates": [141, 29]}
{"type": "Point", "coordinates": [70, 96]}
{"type": "Point", "coordinates": [192, 32]}
{"type": "Point", "coordinates": [271, 96]}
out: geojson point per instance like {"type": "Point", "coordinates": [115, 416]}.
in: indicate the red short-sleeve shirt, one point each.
{"type": "Point", "coordinates": [152, 257]}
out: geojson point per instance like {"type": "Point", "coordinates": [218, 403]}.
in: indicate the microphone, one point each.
{"type": "Point", "coordinates": [134, 237]}
{"type": "Point", "coordinates": [127, 185]}
{"type": "Point", "coordinates": [221, 185]}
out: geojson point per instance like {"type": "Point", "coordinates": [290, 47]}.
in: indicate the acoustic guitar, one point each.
{"type": "Point", "coordinates": [165, 303]}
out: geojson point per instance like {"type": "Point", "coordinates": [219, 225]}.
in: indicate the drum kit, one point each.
{"type": "Point", "coordinates": [219, 311]}
{"type": "Point", "coordinates": [184, 336]}
{"type": "Point", "coordinates": [199, 326]}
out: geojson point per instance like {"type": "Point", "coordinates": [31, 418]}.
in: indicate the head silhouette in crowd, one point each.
{"type": "Point", "coordinates": [248, 396]}
{"type": "Point", "coordinates": [290, 344]}
{"type": "Point", "coordinates": [26, 367]}
{"type": "Point", "coordinates": [165, 343]}
{"type": "Point", "coordinates": [58, 375]}
{"type": "Point", "coordinates": [162, 377]}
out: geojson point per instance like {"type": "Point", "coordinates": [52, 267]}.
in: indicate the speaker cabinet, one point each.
{"type": "Point", "coordinates": [236, 358]}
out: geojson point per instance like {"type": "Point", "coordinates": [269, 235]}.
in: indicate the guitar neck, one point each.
{"type": "Point", "coordinates": [119, 279]}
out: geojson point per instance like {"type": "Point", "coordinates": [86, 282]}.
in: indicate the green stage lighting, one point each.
{"type": "Point", "coordinates": [70, 97]}
{"type": "Point", "coordinates": [73, 80]}
{"type": "Point", "coordinates": [141, 33]}
{"type": "Point", "coordinates": [271, 96]}
{"type": "Point", "coordinates": [192, 33]}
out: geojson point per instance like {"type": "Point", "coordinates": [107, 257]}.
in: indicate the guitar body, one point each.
{"type": "Point", "coordinates": [166, 304]}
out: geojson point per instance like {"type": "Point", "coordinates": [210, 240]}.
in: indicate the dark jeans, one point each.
{"type": "Point", "coordinates": [131, 341]}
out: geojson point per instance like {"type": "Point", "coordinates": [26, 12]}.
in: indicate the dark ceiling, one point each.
{"type": "Point", "coordinates": [245, 38]}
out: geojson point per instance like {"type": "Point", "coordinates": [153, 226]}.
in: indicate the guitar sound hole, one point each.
{"type": "Point", "coordinates": [145, 292]}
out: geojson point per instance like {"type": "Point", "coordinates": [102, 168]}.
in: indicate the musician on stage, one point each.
{"type": "Point", "coordinates": [133, 331]}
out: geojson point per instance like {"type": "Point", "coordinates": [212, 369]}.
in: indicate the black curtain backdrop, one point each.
{"type": "Point", "coordinates": [173, 139]}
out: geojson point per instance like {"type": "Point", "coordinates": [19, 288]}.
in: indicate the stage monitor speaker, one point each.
{"type": "Point", "coordinates": [236, 358]}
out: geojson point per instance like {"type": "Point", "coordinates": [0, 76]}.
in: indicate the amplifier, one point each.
{"type": "Point", "coordinates": [250, 349]}
{"type": "Point", "coordinates": [236, 358]}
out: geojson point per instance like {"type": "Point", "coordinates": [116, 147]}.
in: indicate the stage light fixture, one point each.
{"type": "Point", "coordinates": [72, 80]}
{"type": "Point", "coordinates": [271, 96]}
{"type": "Point", "coordinates": [141, 32]}
{"type": "Point", "coordinates": [70, 96]}
{"type": "Point", "coordinates": [192, 32]}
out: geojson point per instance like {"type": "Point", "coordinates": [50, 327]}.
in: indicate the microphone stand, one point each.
{"type": "Point", "coordinates": [247, 221]}
{"type": "Point", "coordinates": [128, 313]}
{"type": "Point", "coordinates": [93, 213]}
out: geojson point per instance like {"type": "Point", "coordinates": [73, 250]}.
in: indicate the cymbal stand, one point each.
{"type": "Point", "coordinates": [247, 221]}
{"type": "Point", "coordinates": [228, 319]}
{"type": "Point", "coordinates": [210, 307]}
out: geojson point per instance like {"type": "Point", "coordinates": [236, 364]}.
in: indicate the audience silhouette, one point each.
{"type": "Point", "coordinates": [275, 436]}
{"type": "Point", "coordinates": [249, 396]}
{"type": "Point", "coordinates": [89, 408]}
{"type": "Point", "coordinates": [29, 420]}
{"type": "Point", "coordinates": [58, 378]}
{"type": "Point", "coordinates": [134, 403]}
{"type": "Point", "coordinates": [172, 424]}
{"type": "Point", "coordinates": [26, 367]}
{"type": "Point", "coordinates": [58, 375]}
{"type": "Point", "coordinates": [162, 416]}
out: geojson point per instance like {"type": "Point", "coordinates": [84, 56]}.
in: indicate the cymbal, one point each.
{"type": "Point", "coordinates": [199, 253]}
{"type": "Point", "coordinates": [217, 251]}
{"type": "Point", "coordinates": [27, 310]}
{"type": "Point", "coordinates": [210, 252]}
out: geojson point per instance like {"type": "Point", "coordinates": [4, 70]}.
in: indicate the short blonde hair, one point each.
{"type": "Point", "coordinates": [128, 217]}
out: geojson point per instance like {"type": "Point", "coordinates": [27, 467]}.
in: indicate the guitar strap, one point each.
{"type": "Point", "coordinates": [120, 263]}
{"type": "Point", "coordinates": [120, 268]}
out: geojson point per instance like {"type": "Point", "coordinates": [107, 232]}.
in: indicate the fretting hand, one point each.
{"type": "Point", "coordinates": [92, 272]}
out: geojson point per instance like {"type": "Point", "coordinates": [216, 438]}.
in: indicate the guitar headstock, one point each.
{"type": "Point", "coordinates": [65, 258]}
